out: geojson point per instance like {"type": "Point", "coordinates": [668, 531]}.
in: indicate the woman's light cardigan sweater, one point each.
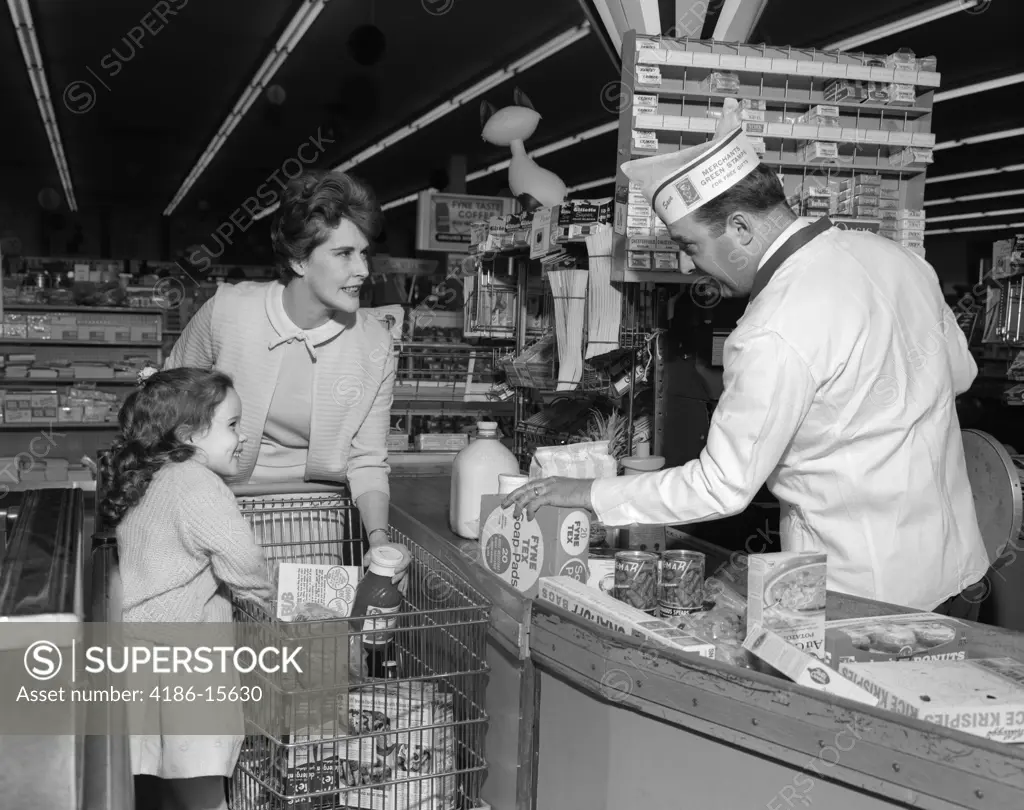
{"type": "Point", "coordinates": [181, 544]}
{"type": "Point", "coordinates": [353, 378]}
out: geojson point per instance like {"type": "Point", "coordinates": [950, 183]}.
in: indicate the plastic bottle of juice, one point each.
{"type": "Point", "coordinates": [475, 473]}
{"type": "Point", "coordinates": [379, 600]}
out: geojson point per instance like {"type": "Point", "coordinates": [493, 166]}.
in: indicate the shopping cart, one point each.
{"type": "Point", "coordinates": [332, 737]}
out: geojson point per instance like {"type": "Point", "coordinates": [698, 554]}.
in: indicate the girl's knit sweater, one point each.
{"type": "Point", "coordinates": [185, 547]}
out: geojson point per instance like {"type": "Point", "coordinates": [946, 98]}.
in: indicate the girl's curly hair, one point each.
{"type": "Point", "coordinates": [156, 420]}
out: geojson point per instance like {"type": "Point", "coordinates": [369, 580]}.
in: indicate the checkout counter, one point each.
{"type": "Point", "coordinates": [579, 717]}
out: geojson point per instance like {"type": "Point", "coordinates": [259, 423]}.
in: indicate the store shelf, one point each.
{"type": "Point", "coordinates": [64, 381]}
{"type": "Point", "coordinates": [73, 308]}
{"type": "Point", "coordinates": [86, 343]}
{"type": "Point", "coordinates": [691, 90]}
{"type": "Point", "coordinates": [624, 274]}
{"type": "Point", "coordinates": [842, 165]}
{"type": "Point", "coordinates": [772, 66]}
{"type": "Point", "coordinates": [25, 486]}
{"type": "Point", "coordinates": [60, 425]}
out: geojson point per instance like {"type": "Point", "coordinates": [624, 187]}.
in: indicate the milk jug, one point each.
{"type": "Point", "coordinates": [475, 473]}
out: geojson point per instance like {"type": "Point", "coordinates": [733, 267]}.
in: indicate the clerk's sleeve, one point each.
{"type": "Point", "coordinates": [194, 347]}
{"type": "Point", "coordinates": [962, 362]}
{"type": "Point", "coordinates": [768, 390]}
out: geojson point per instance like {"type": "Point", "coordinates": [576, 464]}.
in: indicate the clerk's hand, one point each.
{"type": "Point", "coordinates": [569, 492]}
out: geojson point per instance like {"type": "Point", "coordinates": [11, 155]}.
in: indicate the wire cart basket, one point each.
{"type": "Point", "coordinates": [333, 736]}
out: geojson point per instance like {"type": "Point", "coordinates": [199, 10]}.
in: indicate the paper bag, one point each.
{"type": "Point", "coordinates": [582, 460]}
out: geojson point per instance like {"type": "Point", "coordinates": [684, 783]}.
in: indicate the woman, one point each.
{"type": "Point", "coordinates": [314, 373]}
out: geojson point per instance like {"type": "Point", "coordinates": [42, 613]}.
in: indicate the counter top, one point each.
{"type": "Point", "coordinates": [909, 761]}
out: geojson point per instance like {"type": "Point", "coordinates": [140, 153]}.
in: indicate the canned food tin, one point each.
{"type": "Point", "coordinates": [681, 583]}
{"type": "Point", "coordinates": [636, 580]}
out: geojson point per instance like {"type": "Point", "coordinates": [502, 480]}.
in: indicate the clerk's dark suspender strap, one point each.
{"type": "Point", "coordinates": [789, 247]}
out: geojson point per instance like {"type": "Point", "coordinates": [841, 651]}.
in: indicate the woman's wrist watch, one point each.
{"type": "Point", "coordinates": [378, 531]}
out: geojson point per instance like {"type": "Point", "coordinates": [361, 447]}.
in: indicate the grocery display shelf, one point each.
{"type": "Point", "coordinates": [680, 59]}
{"type": "Point", "coordinates": [65, 381]}
{"type": "Point", "coordinates": [129, 344]}
{"type": "Point", "coordinates": [676, 125]}
{"type": "Point", "coordinates": [837, 166]}
{"type": "Point", "coordinates": [691, 90]}
{"type": "Point", "coordinates": [652, 276]}
{"type": "Point", "coordinates": [54, 425]}
{"type": "Point", "coordinates": [76, 308]}
{"type": "Point", "coordinates": [25, 486]}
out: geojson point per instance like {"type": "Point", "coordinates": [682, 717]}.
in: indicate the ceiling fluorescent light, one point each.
{"type": "Point", "coordinates": [945, 178]}
{"type": "Point", "coordinates": [21, 16]}
{"type": "Point", "coordinates": [407, 199]}
{"type": "Point", "coordinates": [536, 56]}
{"type": "Point", "coordinates": [586, 135]}
{"type": "Point", "coordinates": [989, 195]}
{"type": "Point", "coordinates": [572, 140]}
{"type": "Point", "coordinates": [976, 139]}
{"type": "Point", "coordinates": [286, 43]}
{"type": "Point", "coordinates": [1005, 212]}
{"type": "Point", "coordinates": [604, 181]}
{"type": "Point", "coordinates": [485, 85]}
{"type": "Point", "coordinates": [980, 87]}
{"type": "Point", "coordinates": [1007, 226]}
{"type": "Point", "coordinates": [897, 27]}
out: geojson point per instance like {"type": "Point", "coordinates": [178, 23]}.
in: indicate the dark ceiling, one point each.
{"type": "Point", "coordinates": [134, 146]}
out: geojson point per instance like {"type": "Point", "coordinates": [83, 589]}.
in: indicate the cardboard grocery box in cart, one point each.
{"type": "Point", "coordinates": [556, 541]}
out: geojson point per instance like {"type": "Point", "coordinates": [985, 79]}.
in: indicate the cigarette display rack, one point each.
{"type": "Point", "coordinates": [849, 134]}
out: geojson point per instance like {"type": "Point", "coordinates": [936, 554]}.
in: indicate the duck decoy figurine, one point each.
{"type": "Point", "coordinates": [533, 186]}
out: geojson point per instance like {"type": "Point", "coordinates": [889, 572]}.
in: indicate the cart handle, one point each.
{"type": "Point", "coordinates": [286, 488]}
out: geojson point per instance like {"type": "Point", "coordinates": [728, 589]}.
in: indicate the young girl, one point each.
{"type": "Point", "coordinates": [183, 545]}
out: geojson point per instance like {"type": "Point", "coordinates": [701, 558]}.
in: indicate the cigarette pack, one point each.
{"type": "Point", "coordinates": [520, 551]}
{"type": "Point", "coordinates": [902, 94]}
{"type": "Point", "coordinates": [759, 145]}
{"type": "Point", "coordinates": [878, 91]}
{"type": "Point", "coordinates": [820, 151]}
{"type": "Point", "coordinates": [606, 611]}
{"type": "Point", "coordinates": [984, 697]}
{"type": "Point", "coordinates": [862, 180]}
{"type": "Point", "coordinates": [786, 594]}
{"type": "Point", "coordinates": [666, 261]}
{"type": "Point", "coordinates": [912, 243]}
{"type": "Point", "coordinates": [639, 222]}
{"type": "Point", "coordinates": [802, 668]}
{"type": "Point", "coordinates": [639, 260]}
{"type": "Point", "coordinates": [817, 191]}
{"type": "Point", "coordinates": [912, 156]}
{"type": "Point", "coordinates": [901, 637]}
{"type": "Point", "coordinates": [845, 90]}
{"type": "Point", "coordinates": [752, 115]}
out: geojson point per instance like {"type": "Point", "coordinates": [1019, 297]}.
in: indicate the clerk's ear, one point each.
{"type": "Point", "coordinates": [744, 226]}
{"type": "Point", "coordinates": [299, 268]}
{"type": "Point", "coordinates": [183, 434]}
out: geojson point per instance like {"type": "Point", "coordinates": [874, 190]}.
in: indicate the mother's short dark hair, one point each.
{"type": "Point", "coordinates": [313, 204]}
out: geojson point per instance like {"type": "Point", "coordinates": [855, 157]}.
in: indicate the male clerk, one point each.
{"type": "Point", "coordinates": [839, 390]}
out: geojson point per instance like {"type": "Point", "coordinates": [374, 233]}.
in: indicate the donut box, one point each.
{"type": "Point", "coordinates": [903, 637]}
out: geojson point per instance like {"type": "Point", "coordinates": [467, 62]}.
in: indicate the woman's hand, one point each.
{"type": "Point", "coordinates": [379, 537]}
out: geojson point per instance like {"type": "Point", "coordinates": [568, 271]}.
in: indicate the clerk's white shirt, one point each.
{"type": "Point", "coordinates": [840, 381]}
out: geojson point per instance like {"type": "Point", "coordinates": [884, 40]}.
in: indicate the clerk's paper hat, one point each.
{"type": "Point", "coordinates": [679, 183]}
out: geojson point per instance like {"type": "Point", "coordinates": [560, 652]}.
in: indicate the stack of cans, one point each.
{"type": "Point", "coordinates": [670, 584]}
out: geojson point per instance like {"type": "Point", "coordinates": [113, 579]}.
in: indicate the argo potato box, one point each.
{"type": "Point", "coordinates": [904, 637]}
{"type": "Point", "coordinates": [786, 594]}
{"type": "Point", "coordinates": [521, 551]}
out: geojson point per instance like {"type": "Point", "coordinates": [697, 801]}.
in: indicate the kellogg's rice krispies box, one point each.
{"type": "Point", "coordinates": [786, 594]}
